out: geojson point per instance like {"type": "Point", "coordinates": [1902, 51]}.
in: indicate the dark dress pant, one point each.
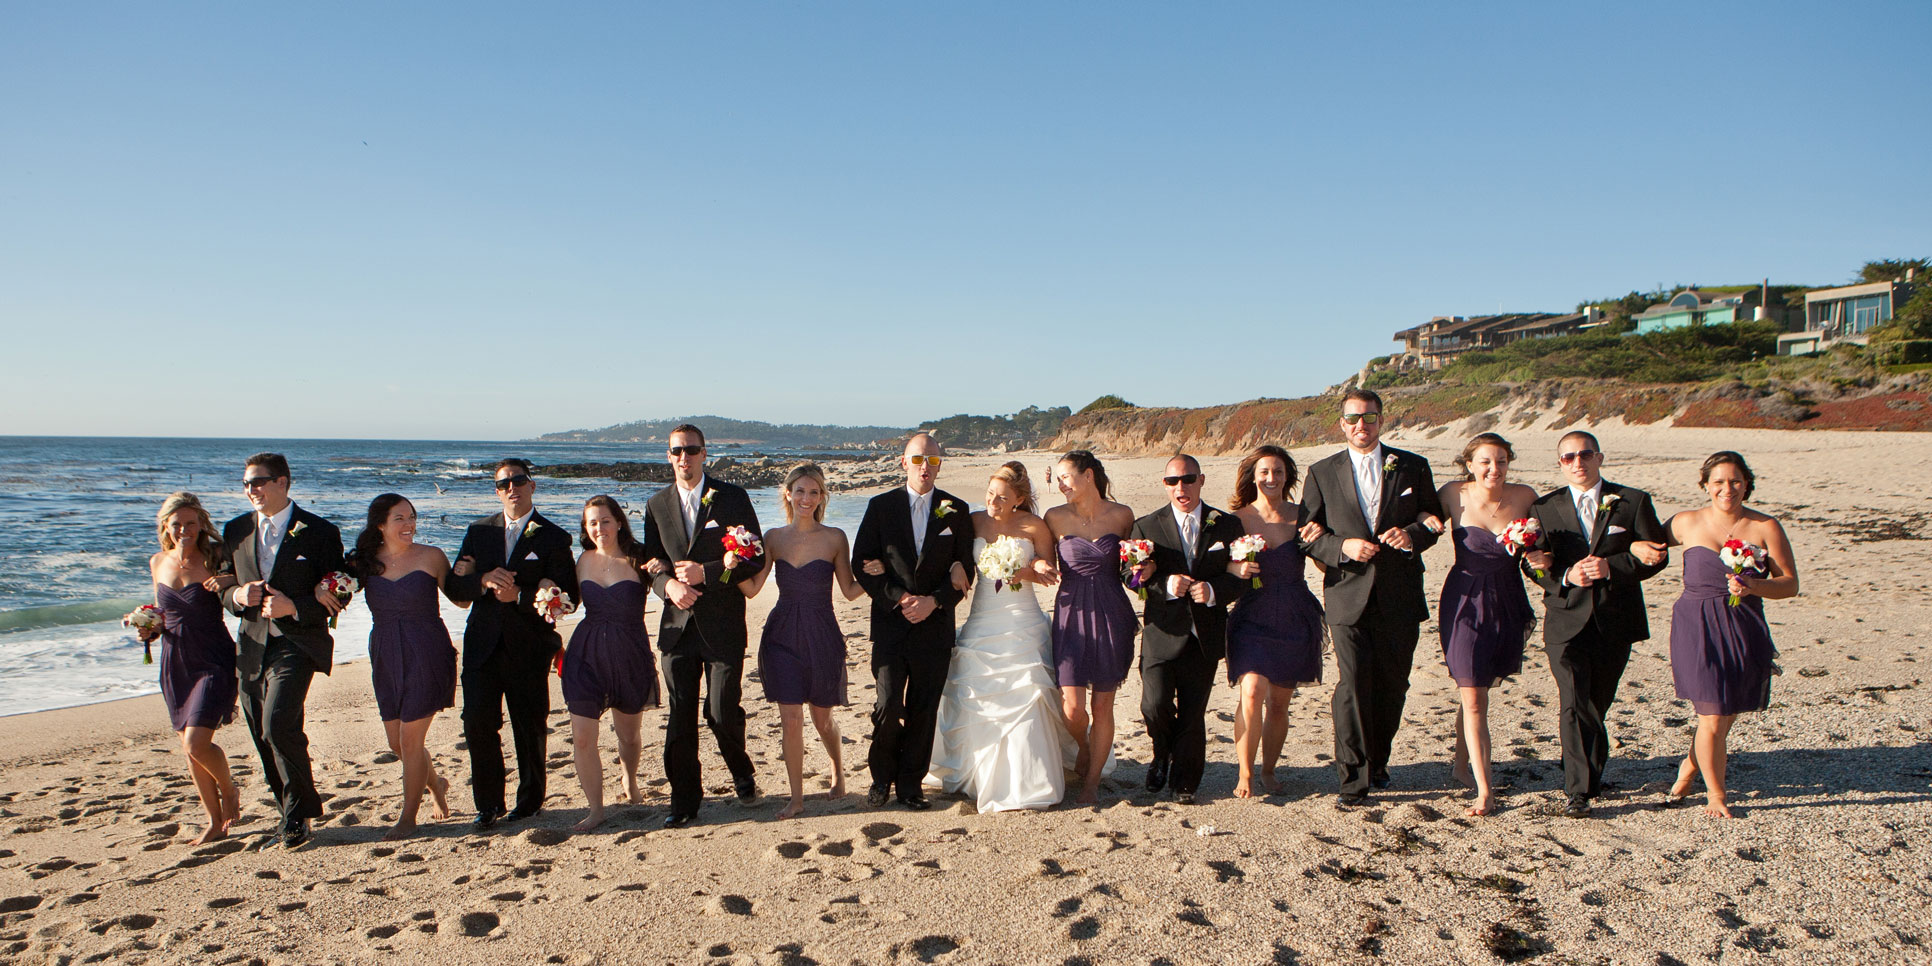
{"type": "Point", "coordinates": [521, 683]}
{"type": "Point", "coordinates": [272, 704]}
{"type": "Point", "coordinates": [693, 681]}
{"type": "Point", "coordinates": [908, 679]}
{"type": "Point", "coordinates": [1587, 669]}
{"type": "Point", "coordinates": [1173, 705]}
{"type": "Point", "coordinates": [1372, 661]}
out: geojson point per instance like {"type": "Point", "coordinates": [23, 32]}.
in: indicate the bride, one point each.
{"type": "Point", "coordinates": [1000, 736]}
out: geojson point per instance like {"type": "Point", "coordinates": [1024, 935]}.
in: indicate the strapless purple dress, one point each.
{"type": "Point", "coordinates": [801, 656]}
{"type": "Point", "coordinates": [411, 659]}
{"type": "Point", "coordinates": [1276, 630]}
{"type": "Point", "coordinates": [608, 664]}
{"type": "Point", "coordinates": [1093, 621]}
{"type": "Point", "coordinates": [198, 681]}
{"type": "Point", "coordinates": [1720, 656]}
{"type": "Point", "coordinates": [1485, 613]}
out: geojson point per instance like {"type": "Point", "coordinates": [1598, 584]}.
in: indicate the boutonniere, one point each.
{"type": "Point", "coordinates": [1388, 463]}
{"type": "Point", "coordinates": [297, 528]}
{"type": "Point", "coordinates": [708, 495]}
{"type": "Point", "coordinates": [1603, 505]}
{"type": "Point", "coordinates": [530, 529]}
{"type": "Point", "coordinates": [1213, 517]}
{"type": "Point", "coordinates": [944, 509]}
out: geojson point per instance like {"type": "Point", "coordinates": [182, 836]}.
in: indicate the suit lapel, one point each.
{"type": "Point", "coordinates": [248, 553]}
{"type": "Point", "coordinates": [283, 552]}
{"type": "Point", "coordinates": [932, 507]}
{"type": "Point", "coordinates": [1603, 516]}
{"type": "Point", "coordinates": [1388, 487]}
{"type": "Point", "coordinates": [1201, 536]}
{"type": "Point", "coordinates": [703, 516]}
{"type": "Point", "coordinates": [510, 556]}
{"type": "Point", "coordinates": [1345, 469]}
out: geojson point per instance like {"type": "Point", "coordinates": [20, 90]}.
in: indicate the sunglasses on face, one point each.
{"type": "Point", "coordinates": [1185, 479]}
{"type": "Point", "coordinates": [510, 481]}
{"type": "Point", "coordinates": [256, 482]}
{"type": "Point", "coordinates": [687, 450]}
{"type": "Point", "coordinates": [932, 461]}
{"type": "Point", "coordinates": [1582, 454]}
{"type": "Point", "coordinates": [1369, 418]}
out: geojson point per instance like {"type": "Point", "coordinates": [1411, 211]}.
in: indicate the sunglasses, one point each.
{"type": "Point", "coordinates": [256, 482]}
{"type": "Point", "coordinates": [932, 461]}
{"type": "Point", "coordinates": [697, 450]}
{"type": "Point", "coordinates": [1582, 454]}
{"type": "Point", "coordinates": [1369, 418]}
{"type": "Point", "coordinates": [1185, 479]}
{"type": "Point", "coordinates": [510, 481]}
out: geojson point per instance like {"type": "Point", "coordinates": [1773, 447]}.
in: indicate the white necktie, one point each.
{"type": "Point", "coordinates": [1586, 513]}
{"type": "Point", "coordinates": [509, 540]}
{"type": "Point", "coordinates": [1188, 538]}
{"type": "Point", "coordinates": [268, 546]}
{"type": "Point", "coordinates": [691, 515]}
{"type": "Point", "coordinates": [1371, 491]}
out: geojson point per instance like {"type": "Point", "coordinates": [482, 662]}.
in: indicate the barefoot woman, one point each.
{"type": "Point", "coordinates": [197, 654]}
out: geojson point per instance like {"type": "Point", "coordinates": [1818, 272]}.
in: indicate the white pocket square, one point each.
{"type": "Point", "coordinates": [1614, 529]}
{"type": "Point", "coordinates": [532, 555]}
{"type": "Point", "coordinates": [299, 558]}
{"type": "Point", "coordinates": [1218, 545]}
{"type": "Point", "coordinates": [1406, 492]}
{"type": "Point", "coordinates": [708, 524]}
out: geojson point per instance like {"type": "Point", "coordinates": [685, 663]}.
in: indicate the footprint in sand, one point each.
{"type": "Point", "coordinates": [791, 850]}
{"type": "Point", "coordinates": [880, 831]}
{"type": "Point", "coordinates": [478, 924]}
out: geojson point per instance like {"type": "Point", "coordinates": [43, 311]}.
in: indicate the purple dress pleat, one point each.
{"type": "Point", "coordinates": [1093, 621]}
{"type": "Point", "coordinates": [411, 659]}
{"type": "Point", "coordinates": [198, 680]}
{"type": "Point", "coordinates": [1276, 630]}
{"type": "Point", "coordinates": [608, 664]}
{"type": "Point", "coordinates": [1721, 657]}
{"type": "Point", "coordinates": [801, 657]}
{"type": "Point", "coordinates": [1485, 613]}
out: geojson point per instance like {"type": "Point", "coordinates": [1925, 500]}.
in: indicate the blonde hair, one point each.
{"type": "Point", "coordinates": [800, 472]}
{"type": "Point", "coordinates": [208, 544]}
{"type": "Point", "coordinates": [1013, 474]}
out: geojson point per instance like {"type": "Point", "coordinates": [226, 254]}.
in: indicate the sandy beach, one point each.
{"type": "Point", "coordinates": [1827, 863]}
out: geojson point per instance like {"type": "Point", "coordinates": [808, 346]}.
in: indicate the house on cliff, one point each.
{"type": "Point", "coordinates": [1846, 314]}
{"type": "Point", "coordinates": [1440, 340]}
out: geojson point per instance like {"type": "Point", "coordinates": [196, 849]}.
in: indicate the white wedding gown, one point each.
{"type": "Point", "coordinates": [1000, 737]}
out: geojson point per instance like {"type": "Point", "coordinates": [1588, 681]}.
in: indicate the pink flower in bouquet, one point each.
{"type": "Point", "coordinates": [1132, 553]}
{"type": "Point", "coordinates": [342, 587]}
{"type": "Point", "coordinates": [744, 543]}
{"type": "Point", "coordinates": [1248, 547]}
{"type": "Point", "coordinates": [145, 619]}
{"type": "Point", "coordinates": [1521, 537]}
{"type": "Point", "coordinates": [1740, 557]}
{"type": "Point", "coordinates": [553, 604]}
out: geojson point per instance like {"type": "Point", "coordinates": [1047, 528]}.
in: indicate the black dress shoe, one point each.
{"type": "Point", "coordinates": [747, 791]}
{"type": "Point", "coordinates": [1577, 808]}
{"type": "Point", "coordinates": [1379, 777]}
{"type": "Point", "coordinates": [1351, 799]}
{"type": "Point", "coordinates": [878, 795]}
{"type": "Point", "coordinates": [1157, 774]}
{"type": "Point", "coordinates": [1184, 798]}
{"type": "Point", "coordinates": [915, 802]}
{"type": "Point", "coordinates": [486, 818]}
{"type": "Point", "coordinates": [295, 836]}
{"type": "Point", "coordinates": [678, 819]}
{"type": "Point", "coordinates": [522, 812]}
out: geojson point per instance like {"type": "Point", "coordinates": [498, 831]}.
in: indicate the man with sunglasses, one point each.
{"type": "Point", "coordinates": [506, 558]}
{"type": "Point", "coordinates": [918, 533]}
{"type": "Point", "coordinates": [1370, 500]}
{"type": "Point", "coordinates": [1593, 602]}
{"type": "Point", "coordinates": [1185, 624]}
{"type": "Point", "coordinates": [281, 553]}
{"type": "Point", "coordinates": [701, 633]}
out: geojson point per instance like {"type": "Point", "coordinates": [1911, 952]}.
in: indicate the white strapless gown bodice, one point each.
{"type": "Point", "coordinates": [1000, 738]}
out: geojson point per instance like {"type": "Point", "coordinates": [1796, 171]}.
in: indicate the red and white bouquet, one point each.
{"type": "Point", "coordinates": [342, 587]}
{"type": "Point", "coordinates": [553, 604]}
{"type": "Point", "coordinates": [1521, 537]}
{"type": "Point", "coordinates": [1740, 557]}
{"type": "Point", "coordinates": [1132, 553]}
{"type": "Point", "coordinates": [744, 543]}
{"type": "Point", "coordinates": [1001, 561]}
{"type": "Point", "coordinates": [1248, 547]}
{"type": "Point", "coordinates": [146, 620]}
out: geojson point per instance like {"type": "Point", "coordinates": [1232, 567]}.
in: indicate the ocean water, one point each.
{"type": "Point", "coordinates": [77, 528]}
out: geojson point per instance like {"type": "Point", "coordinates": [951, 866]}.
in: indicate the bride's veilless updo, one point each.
{"type": "Point", "coordinates": [1013, 474]}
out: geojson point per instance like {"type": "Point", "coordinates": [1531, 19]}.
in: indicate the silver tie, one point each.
{"type": "Point", "coordinates": [1586, 514]}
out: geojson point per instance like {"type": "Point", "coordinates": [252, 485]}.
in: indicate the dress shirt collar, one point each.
{"type": "Point", "coordinates": [280, 520]}
{"type": "Point", "coordinates": [1595, 494]}
{"type": "Point", "coordinates": [516, 526]}
{"type": "Point", "coordinates": [1372, 457]}
{"type": "Point", "coordinates": [687, 497]}
{"type": "Point", "coordinates": [917, 498]}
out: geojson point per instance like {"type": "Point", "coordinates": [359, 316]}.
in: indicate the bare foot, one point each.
{"type": "Point", "coordinates": [791, 810]}
{"type": "Point", "coordinates": [230, 806]}
{"type": "Point", "coordinates": [439, 797]}
{"type": "Point", "coordinates": [591, 821]}
{"type": "Point", "coordinates": [400, 831]}
{"type": "Point", "coordinates": [1485, 804]}
{"type": "Point", "coordinates": [632, 791]}
{"type": "Point", "coordinates": [838, 788]}
{"type": "Point", "coordinates": [1241, 786]}
{"type": "Point", "coordinates": [1271, 783]}
{"type": "Point", "coordinates": [1089, 795]}
{"type": "Point", "coordinates": [1464, 775]}
{"type": "Point", "coordinates": [1717, 806]}
{"type": "Point", "coordinates": [1686, 773]}
{"type": "Point", "coordinates": [216, 832]}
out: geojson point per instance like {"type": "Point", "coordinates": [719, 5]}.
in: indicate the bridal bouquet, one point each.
{"type": "Point", "coordinates": [146, 619]}
{"type": "Point", "coordinates": [553, 604]}
{"type": "Point", "coordinates": [1740, 557]}
{"type": "Point", "coordinates": [744, 543]}
{"type": "Point", "coordinates": [1521, 537]}
{"type": "Point", "coordinates": [1248, 547]}
{"type": "Point", "coordinates": [1001, 562]}
{"type": "Point", "coordinates": [342, 587]}
{"type": "Point", "coordinates": [1132, 552]}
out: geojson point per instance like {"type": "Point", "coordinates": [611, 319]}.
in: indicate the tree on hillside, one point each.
{"type": "Point", "coordinates": [1109, 401]}
{"type": "Point", "coordinates": [1886, 270]}
{"type": "Point", "coordinates": [1912, 321]}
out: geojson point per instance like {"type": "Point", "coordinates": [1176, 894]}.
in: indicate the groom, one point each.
{"type": "Point", "coordinates": [506, 647]}
{"type": "Point", "coordinates": [1593, 602]}
{"type": "Point", "coordinates": [1186, 624]}
{"type": "Point", "coordinates": [281, 552]}
{"type": "Point", "coordinates": [701, 633]}
{"type": "Point", "coordinates": [918, 533]}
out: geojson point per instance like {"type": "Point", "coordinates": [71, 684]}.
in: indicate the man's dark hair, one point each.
{"type": "Point", "coordinates": [1365, 395]}
{"type": "Point", "coordinates": [688, 429]}
{"type": "Point", "coordinates": [1580, 434]}
{"type": "Point", "coordinates": [275, 463]}
{"type": "Point", "coordinates": [521, 464]}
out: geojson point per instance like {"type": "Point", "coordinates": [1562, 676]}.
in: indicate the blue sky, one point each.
{"type": "Point", "coordinates": [492, 221]}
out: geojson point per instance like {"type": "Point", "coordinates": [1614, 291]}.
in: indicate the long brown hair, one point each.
{"type": "Point", "coordinates": [1081, 459]}
{"type": "Point", "coordinates": [1013, 474]}
{"type": "Point", "coordinates": [1481, 440]}
{"type": "Point", "coordinates": [627, 543]}
{"type": "Point", "coordinates": [213, 555]}
{"type": "Point", "coordinates": [361, 560]}
{"type": "Point", "coordinates": [1734, 458]}
{"type": "Point", "coordinates": [1245, 490]}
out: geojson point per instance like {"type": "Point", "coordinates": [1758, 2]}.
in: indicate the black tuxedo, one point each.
{"type": "Point", "coordinates": [706, 642]}
{"type": "Point", "coordinates": [1181, 641]}
{"type": "Point", "coordinates": [909, 660]}
{"type": "Point", "coordinates": [1373, 609]}
{"type": "Point", "coordinates": [276, 668]}
{"type": "Point", "coordinates": [506, 653]}
{"type": "Point", "coordinates": [1587, 631]}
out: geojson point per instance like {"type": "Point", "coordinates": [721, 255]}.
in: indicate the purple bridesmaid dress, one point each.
{"type": "Point", "coordinates": [801, 657]}
{"type": "Point", "coordinates": [1720, 656]}
{"type": "Point", "coordinates": [608, 664]}
{"type": "Point", "coordinates": [1485, 613]}
{"type": "Point", "coordinates": [198, 680]}
{"type": "Point", "coordinates": [411, 659]}
{"type": "Point", "coordinates": [1093, 622]}
{"type": "Point", "coordinates": [1276, 630]}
